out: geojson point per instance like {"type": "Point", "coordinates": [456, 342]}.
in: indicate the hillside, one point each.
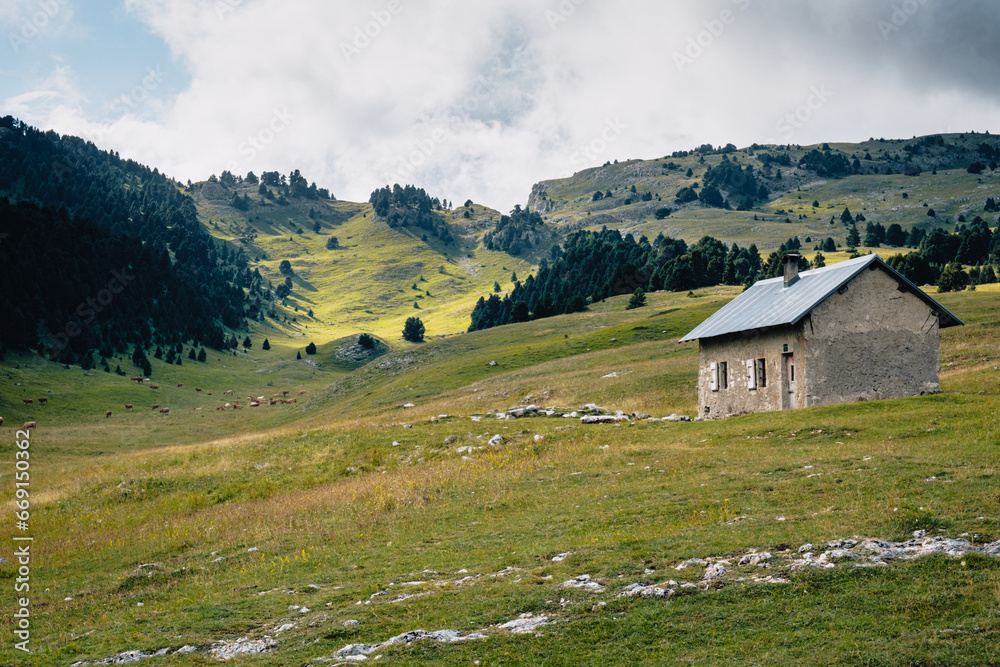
{"type": "Point", "coordinates": [347, 518]}
{"type": "Point", "coordinates": [864, 186]}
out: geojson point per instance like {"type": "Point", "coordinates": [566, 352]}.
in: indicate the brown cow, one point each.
{"type": "Point", "coordinates": [180, 384]}
{"type": "Point", "coordinates": [27, 401]}
{"type": "Point", "coordinates": [164, 411]}
{"type": "Point", "coordinates": [302, 392]}
{"type": "Point", "coordinates": [108, 413]}
{"type": "Point", "coordinates": [237, 407]}
{"type": "Point", "coordinates": [254, 404]}
{"type": "Point", "coordinates": [274, 401]}
{"type": "Point", "coordinates": [1, 421]}
{"type": "Point", "coordinates": [135, 379]}
{"type": "Point", "coordinates": [228, 392]}
{"type": "Point", "coordinates": [154, 386]}
{"type": "Point", "coordinates": [28, 425]}
{"type": "Point", "coordinates": [156, 406]}
{"type": "Point", "coordinates": [197, 388]}
{"type": "Point", "coordinates": [284, 393]}
{"type": "Point", "coordinates": [43, 401]}
{"type": "Point", "coordinates": [128, 406]}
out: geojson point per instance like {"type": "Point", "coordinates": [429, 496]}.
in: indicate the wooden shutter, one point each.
{"type": "Point", "coordinates": [713, 376]}
{"type": "Point", "coordinates": [751, 375]}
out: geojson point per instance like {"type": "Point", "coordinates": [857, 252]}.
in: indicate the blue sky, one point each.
{"type": "Point", "coordinates": [482, 100]}
{"type": "Point", "coordinates": [107, 51]}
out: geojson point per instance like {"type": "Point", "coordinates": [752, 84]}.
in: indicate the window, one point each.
{"type": "Point", "coordinates": [791, 371]}
{"type": "Point", "coordinates": [751, 375]}
{"type": "Point", "coordinates": [723, 375]}
{"type": "Point", "coordinates": [761, 373]}
{"type": "Point", "coordinates": [713, 376]}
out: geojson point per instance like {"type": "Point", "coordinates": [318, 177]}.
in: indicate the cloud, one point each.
{"type": "Point", "coordinates": [480, 102]}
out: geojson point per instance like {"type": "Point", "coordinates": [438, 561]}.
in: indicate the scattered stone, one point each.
{"type": "Point", "coordinates": [691, 561]}
{"type": "Point", "coordinates": [604, 419]}
{"type": "Point", "coordinates": [351, 622]}
{"type": "Point", "coordinates": [495, 440]}
{"type": "Point", "coordinates": [561, 557]}
{"type": "Point", "coordinates": [737, 520]}
{"type": "Point", "coordinates": [759, 559]}
{"type": "Point", "coordinates": [407, 426]}
{"type": "Point", "coordinates": [538, 438]}
{"type": "Point", "coordinates": [283, 628]}
{"type": "Point", "coordinates": [655, 591]}
{"type": "Point", "coordinates": [805, 547]}
{"type": "Point", "coordinates": [571, 415]}
{"type": "Point", "coordinates": [360, 652]}
{"type": "Point", "coordinates": [525, 624]}
{"type": "Point", "coordinates": [715, 571]}
{"type": "Point", "coordinates": [228, 650]}
{"type": "Point", "coordinates": [583, 581]}
{"type": "Point", "coordinates": [451, 439]}
{"type": "Point", "coordinates": [611, 375]}
{"type": "Point", "coordinates": [408, 406]}
{"type": "Point", "coordinates": [677, 418]}
{"type": "Point", "coordinates": [492, 364]}
{"type": "Point", "coordinates": [187, 648]}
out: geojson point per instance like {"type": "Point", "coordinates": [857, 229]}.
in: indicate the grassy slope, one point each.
{"type": "Point", "coordinates": [568, 202]}
{"type": "Point", "coordinates": [327, 499]}
{"type": "Point", "coordinates": [367, 284]}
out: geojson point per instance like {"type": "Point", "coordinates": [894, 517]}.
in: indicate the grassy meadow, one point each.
{"type": "Point", "coordinates": [282, 523]}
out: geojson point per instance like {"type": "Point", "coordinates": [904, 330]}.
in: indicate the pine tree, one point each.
{"type": "Point", "coordinates": [853, 237]}
{"type": "Point", "coordinates": [192, 355]}
{"type": "Point", "coordinates": [266, 345]}
{"type": "Point", "coordinates": [247, 343]}
{"type": "Point", "coordinates": [413, 330]}
{"type": "Point", "coordinates": [202, 355]}
{"type": "Point", "coordinates": [638, 299]}
{"type": "Point", "coordinates": [496, 286]}
{"type": "Point", "coordinates": [298, 355]}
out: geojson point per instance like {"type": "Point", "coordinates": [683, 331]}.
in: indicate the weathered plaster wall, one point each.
{"type": "Point", "coordinates": [735, 349]}
{"type": "Point", "coordinates": [872, 342]}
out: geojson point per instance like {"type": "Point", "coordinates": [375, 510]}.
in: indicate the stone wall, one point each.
{"type": "Point", "coordinates": [871, 342]}
{"type": "Point", "coordinates": [735, 350]}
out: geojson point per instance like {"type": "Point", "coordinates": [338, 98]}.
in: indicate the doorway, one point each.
{"type": "Point", "coordinates": [790, 394]}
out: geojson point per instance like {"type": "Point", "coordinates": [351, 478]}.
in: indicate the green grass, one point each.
{"type": "Point", "coordinates": [335, 492]}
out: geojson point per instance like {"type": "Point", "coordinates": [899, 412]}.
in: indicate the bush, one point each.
{"type": "Point", "coordinates": [311, 348]}
{"type": "Point", "coordinates": [413, 330]}
{"type": "Point", "coordinates": [366, 341]}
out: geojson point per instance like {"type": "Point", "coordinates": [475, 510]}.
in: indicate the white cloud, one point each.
{"type": "Point", "coordinates": [480, 102]}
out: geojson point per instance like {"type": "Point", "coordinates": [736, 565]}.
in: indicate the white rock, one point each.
{"type": "Point", "coordinates": [583, 581]}
{"type": "Point", "coordinates": [495, 440]}
{"type": "Point", "coordinates": [561, 557]}
{"type": "Point", "coordinates": [525, 623]}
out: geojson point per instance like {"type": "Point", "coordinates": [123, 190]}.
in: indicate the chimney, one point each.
{"type": "Point", "coordinates": [791, 268]}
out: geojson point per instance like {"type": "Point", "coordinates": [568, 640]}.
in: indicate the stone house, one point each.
{"type": "Point", "coordinates": [848, 332]}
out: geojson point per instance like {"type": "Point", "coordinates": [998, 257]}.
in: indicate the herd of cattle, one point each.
{"type": "Point", "coordinates": [253, 402]}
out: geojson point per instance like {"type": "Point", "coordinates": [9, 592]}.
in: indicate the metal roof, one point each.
{"type": "Point", "coordinates": [769, 303]}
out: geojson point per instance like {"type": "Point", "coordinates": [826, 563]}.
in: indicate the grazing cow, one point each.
{"type": "Point", "coordinates": [107, 414]}
{"type": "Point", "coordinates": [284, 393]}
{"type": "Point", "coordinates": [219, 408]}
{"type": "Point", "coordinates": [145, 380]}
{"type": "Point", "coordinates": [1, 421]}
{"type": "Point", "coordinates": [43, 401]}
{"type": "Point", "coordinates": [154, 386]}
{"type": "Point", "coordinates": [228, 405]}
{"type": "Point", "coordinates": [128, 406]}
{"type": "Point", "coordinates": [292, 400]}
{"type": "Point", "coordinates": [180, 384]}
{"type": "Point", "coordinates": [164, 411]}
{"type": "Point", "coordinates": [28, 425]}
{"type": "Point", "coordinates": [237, 407]}
{"type": "Point", "coordinates": [210, 393]}
{"type": "Point", "coordinates": [274, 401]}
{"type": "Point", "coordinates": [228, 392]}
{"type": "Point", "coordinates": [260, 398]}
{"type": "Point", "coordinates": [302, 392]}
{"type": "Point", "coordinates": [197, 388]}
{"type": "Point", "coordinates": [156, 406]}
{"type": "Point", "coordinates": [254, 404]}
{"type": "Point", "coordinates": [27, 401]}
{"type": "Point", "coordinates": [135, 379]}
